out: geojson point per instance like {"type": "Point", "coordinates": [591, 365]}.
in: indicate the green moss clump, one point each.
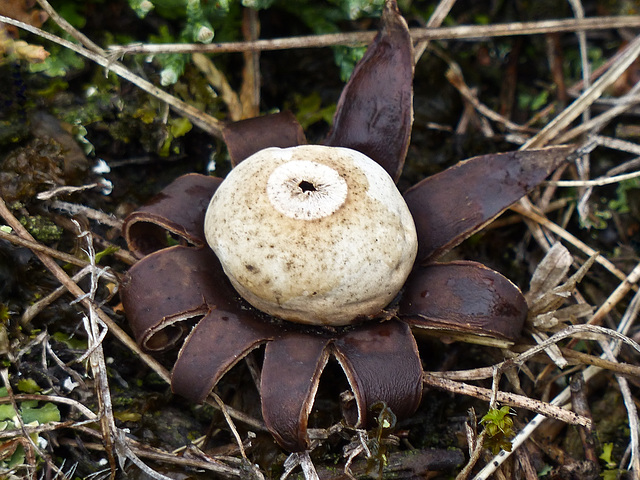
{"type": "Point", "coordinates": [42, 229]}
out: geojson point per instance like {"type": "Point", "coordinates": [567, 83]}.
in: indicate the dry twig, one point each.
{"type": "Point", "coordinates": [507, 398]}
{"type": "Point", "coordinates": [417, 34]}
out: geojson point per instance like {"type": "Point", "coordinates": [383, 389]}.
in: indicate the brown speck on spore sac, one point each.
{"type": "Point", "coordinates": [251, 268]}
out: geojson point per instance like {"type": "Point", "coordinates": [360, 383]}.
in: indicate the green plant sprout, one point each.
{"type": "Point", "coordinates": [611, 471]}
{"type": "Point", "coordinates": [498, 428]}
{"type": "Point", "coordinates": [13, 453]}
{"type": "Point", "coordinates": [378, 445]}
{"type": "Point", "coordinates": [621, 203]}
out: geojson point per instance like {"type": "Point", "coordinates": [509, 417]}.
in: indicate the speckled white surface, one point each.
{"type": "Point", "coordinates": [312, 234]}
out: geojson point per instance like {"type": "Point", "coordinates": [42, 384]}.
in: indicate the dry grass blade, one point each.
{"type": "Point", "coordinates": [569, 114]}
{"type": "Point", "coordinates": [364, 38]}
{"type": "Point", "coordinates": [561, 232]}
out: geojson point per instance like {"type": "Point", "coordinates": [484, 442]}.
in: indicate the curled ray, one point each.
{"type": "Point", "coordinates": [375, 111]}
{"type": "Point", "coordinates": [382, 363]}
{"type": "Point", "coordinates": [290, 375]}
{"type": "Point", "coordinates": [172, 285]}
{"type": "Point", "coordinates": [219, 341]}
{"type": "Point", "coordinates": [178, 209]}
{"type": "Point", "coordinates": [464, 300]}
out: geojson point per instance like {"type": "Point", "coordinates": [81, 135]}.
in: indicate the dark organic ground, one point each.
{"type": "Point", "coordinates": [55, 131]}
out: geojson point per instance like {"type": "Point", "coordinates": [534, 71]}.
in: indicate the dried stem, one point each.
{"type": "Point", "coordinates": [507, 398]}
{"type": "Point", "coordinates": [561, 232]}
{"type": "Point", "coordinates": [436, 19]}
{"type": "Point", "coordinates": [596, 182]}
{"type": "Point", "coordinates": [67, 27]}
{"type": "Point", "coordinates": [54, 399]}
{"type": "Point", "coordinates": [38, 247]}
{"type": "Point", "coordinates": [569, 114]}
{"type": "Point", "coordinates": [455, 77]}
{"type": "Point", "coordinates": [250, 89]}
{"type": "Point", "coordinates": [364, 38]}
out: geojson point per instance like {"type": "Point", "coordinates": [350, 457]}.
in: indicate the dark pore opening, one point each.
{"type": "Point", "coordinates": [306, 186]}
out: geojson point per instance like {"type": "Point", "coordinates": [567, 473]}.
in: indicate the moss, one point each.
{"type": "Point", "coordinates": [43, 229]}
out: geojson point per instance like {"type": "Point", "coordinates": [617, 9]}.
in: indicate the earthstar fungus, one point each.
{"type": "Point", "coordinates": [325, 311]}
{"type": "Point", "coordinates": [312, 234]}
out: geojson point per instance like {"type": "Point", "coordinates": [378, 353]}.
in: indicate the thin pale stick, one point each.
{"type": "Point", "coordinates": [213, 464]}
{"type": "Point", "coordinates": [624, 103]}
{"type": "Point", "coordinates": [596, 182]}
{"type": "Point", "coordinates": [479, 444]}
{"type": "Point", "coordinates": [33, 310]}
{"type": "Point", "coordinates": [617, 144]}
{"type": "Point", "coordinates": [507, 398]}
{"type": "Point", "coordinates": [435, 20]}
{"type": "Point", "coordinates": [417, 34]}
{"type": "Point", "coordinates": [231, 425]}
{"type": "Point", "coordinates": [53, 399]}
{"type": "Point", "coordinates": [574, 358]}
{"type": "Point", "coordinates": [616, 296]}
{"type": "Point", "coordinates": [92, 213]}
{"type": "Point", "coordinates": [455, 77]}
{"type": "Point", "coordinates": [38, 247]}
{"type": "Point", "coordinates": [96, 331]}
{"type": "Point", "coordinates": [583, 165]}
{"type": "Point", "coordinates": [67, 27]}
